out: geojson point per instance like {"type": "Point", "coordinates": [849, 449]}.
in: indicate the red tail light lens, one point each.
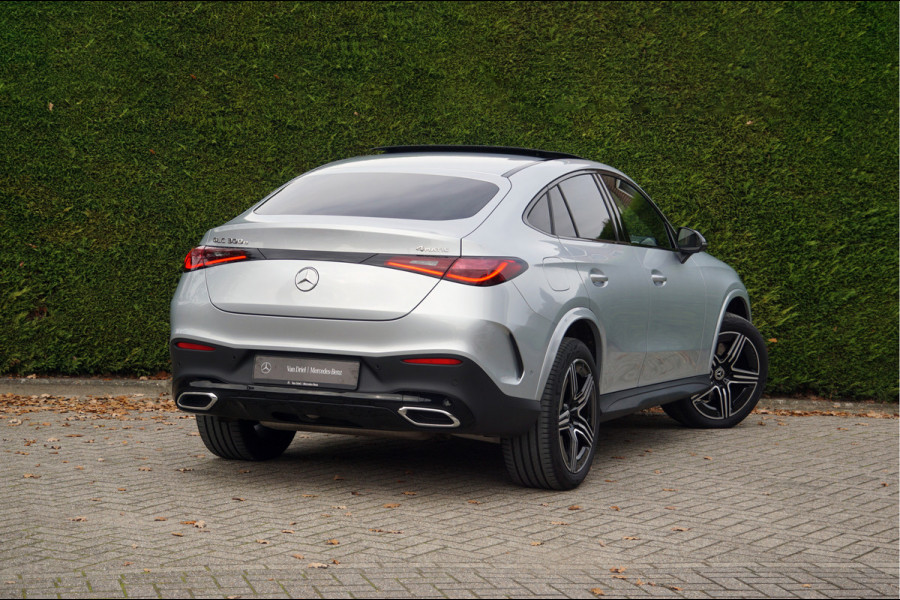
{"type": "Point", "coordinates": [480, 271]}
{"type": "Point", "coordinates": [435, 266]}
{"type": "Point", "coordinates": [207, 256]}
{"type": "Point", "coordinates": [484, 271]}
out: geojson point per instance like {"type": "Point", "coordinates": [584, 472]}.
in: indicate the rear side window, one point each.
{"type": "Point", "coordinates": [385, 195]}
{"type": "Point", "coordinates": [588, 209]}
{"type": "Point", "coordinates": [540, 215]}
{"type": "Point", "coordinates": [562, 221]}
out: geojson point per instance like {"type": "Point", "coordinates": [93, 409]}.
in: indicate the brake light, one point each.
{"type": "Point", "coordinates": [426, 265]}
{"type": "Point", "coordinates": [484, 271]}
{"type": "Point", "coordinates": [479, 271]}
{"type": "Point", "coordinates": [207, 256]}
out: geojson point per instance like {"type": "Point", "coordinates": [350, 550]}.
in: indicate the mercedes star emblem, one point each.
{"type": "Point", "coordinates": [306, 279]}
{"type": "Point", "coordinates": [266, 367]}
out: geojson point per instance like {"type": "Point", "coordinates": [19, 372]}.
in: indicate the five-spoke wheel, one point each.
{"type": "Point", "coordinates": [737, 375]}
{"type": "Point", "coordinates": [557, 452]}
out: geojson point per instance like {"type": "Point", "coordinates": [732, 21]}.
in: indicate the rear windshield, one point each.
{"type": "Point", "coordinates": [385, 195]}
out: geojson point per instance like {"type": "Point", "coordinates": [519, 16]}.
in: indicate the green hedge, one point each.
{"type": "Point", "coordinates": [772, 128]}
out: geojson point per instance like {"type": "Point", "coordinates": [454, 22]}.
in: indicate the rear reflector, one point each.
{"type": "Point", "coordinates": [432, 361]}
{"type": "Point", "coordinates": [191, 346]}
{"type": "Point", "coordinates": [207, 256]}
{"type": "Point", "coordinates": [480, 271]}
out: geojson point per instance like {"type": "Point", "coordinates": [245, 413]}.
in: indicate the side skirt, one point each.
{"type": "Point", "coordinates": [619, 404]}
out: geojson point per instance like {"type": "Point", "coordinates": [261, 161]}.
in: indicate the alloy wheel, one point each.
{"type": "Point", "coordinates": [734, 375]}
{"type": "Point", "coordinates": [577, 415]}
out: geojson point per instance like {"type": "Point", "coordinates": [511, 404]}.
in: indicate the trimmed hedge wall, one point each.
{"type": "Point", "coordinates": [130, 129]}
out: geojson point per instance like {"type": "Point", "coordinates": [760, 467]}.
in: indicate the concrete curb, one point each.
{"type": "Point", "coordinates": [74, 386]}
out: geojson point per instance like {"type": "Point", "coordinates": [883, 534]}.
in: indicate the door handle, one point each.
{"type": "Point", "coordinates": [598, 278]}
{"type": "Point", "coordinates": [658, 278]}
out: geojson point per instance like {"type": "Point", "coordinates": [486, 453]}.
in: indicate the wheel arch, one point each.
{"type": "Point", "coordinates": [736, 302]}
{"type": "Point", "coordinates": [581, 324]}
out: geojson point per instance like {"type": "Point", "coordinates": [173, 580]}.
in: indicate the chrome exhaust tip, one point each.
{"type": "Point", "coordinates": [428, 417]}
{"type": "Point", "coordinates": [194, 401]}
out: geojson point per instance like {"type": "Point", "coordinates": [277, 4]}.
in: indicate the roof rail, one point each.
{"type": "Point", "coordinates": [544, 154]}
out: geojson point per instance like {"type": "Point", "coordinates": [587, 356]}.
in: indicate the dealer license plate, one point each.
{"type": "Point", "coordinates": [306, 372]}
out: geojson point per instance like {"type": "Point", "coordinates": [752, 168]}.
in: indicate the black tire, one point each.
{"type": "Point", "coordinates": [557, 453]}
{"type": "Point", "coordinates": [737, 378]}
{"type": "Point", "coordinates": [242, 440]}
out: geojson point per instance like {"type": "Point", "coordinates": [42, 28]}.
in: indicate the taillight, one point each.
{"type": "Point", "coordinates": [426, 265]}
{"type": "Point", "coordinates": [207, 256]}
{"type": "Point", "coordinates": [484, 271]}
{"type": "Point", "coordinates": [480, 271]}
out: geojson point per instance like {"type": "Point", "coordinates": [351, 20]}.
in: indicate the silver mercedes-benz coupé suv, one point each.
{"type": "Point", "coordinates": [511, 293]}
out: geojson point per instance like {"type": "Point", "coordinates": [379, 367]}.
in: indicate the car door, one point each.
{"type": "Point", "coordinates": [676, 289]}
{"type": "Point", "coordinates": [610, 271]}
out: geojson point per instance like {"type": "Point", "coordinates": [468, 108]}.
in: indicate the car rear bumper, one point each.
{"type": "Point", "coordinates": [391, 395]}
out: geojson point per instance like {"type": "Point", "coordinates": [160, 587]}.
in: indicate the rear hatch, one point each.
{"type": "Point", "coordinates": [330, 266]}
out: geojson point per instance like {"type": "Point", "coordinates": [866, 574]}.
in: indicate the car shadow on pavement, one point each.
{"type": "Point", "coordinates": [441, 463]}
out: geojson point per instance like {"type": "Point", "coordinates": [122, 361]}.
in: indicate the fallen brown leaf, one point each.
{"type": "Point", "coordinates": [558, 523]}
{"type": "Point", "coordinates": [238, 499]}
{"type": "Point", "coordinates": [617, 570]}
{"type": "Point", "coordinates": [160, 519]}
{"type": "Point", "coordinates": [31, 476]}
{"type": "Point", "coordinates": [144, 469]}
{"type": "Point", "coordinates": [409, 493]}
{"type": "Point", "coordinates": [628, 537]}
{"type": "Point", "coordinates": [79, 519]}
{"type": "Point", "coordinates": [597, 591]}
{"type": "Point", "coordinates": [615, 508]}
{"type": "Point", "coordinates": [574, 507]}
{"type": "Point", "coordinates": [680, 528]}
{"type": "Point", "coordinates": [127, 563]}
{"type": "Point", "coordinates": [332, 542]}
{"type": "Point", "coordinates": [473, 502]}
{"type": "Point", "coordinates": [537, 543]}
{"type": "Point", "coordinates": [391, 505]}
{"type": "Point", "coordinates": [335, 561]}
{"type": "Point", "coordinates": [263, 542]}
{"type": "Point", "coordinates": [177, 534]}
{"type": "Point", "coordinates": [287, 531]}
{"type": "Point", "coordinates": [297, 555]}
{"type": "Point", "coordinates": [317, 566]}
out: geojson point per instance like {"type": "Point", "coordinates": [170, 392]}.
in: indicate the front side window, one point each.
{"type": "Point", "coordinates": [588, 209]}
{"type": "Point", "coordinates": [386, 195]}
{"type": "Point", "coordinates": [643, 224]}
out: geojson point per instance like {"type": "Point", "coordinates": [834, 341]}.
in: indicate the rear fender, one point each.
{"type": "Point", "coordinates": [576, 314]}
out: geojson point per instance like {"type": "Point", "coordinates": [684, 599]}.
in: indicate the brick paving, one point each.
{"type": "Point", "coordinates": [135, 506]}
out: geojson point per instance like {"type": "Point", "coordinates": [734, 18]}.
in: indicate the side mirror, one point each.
{"type": "Point", "coordinates": [690, 242]}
